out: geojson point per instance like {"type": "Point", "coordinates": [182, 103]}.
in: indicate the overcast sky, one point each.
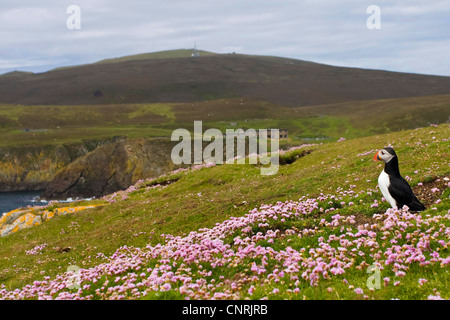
{"type": "Point", "coordinates": [414, 34]}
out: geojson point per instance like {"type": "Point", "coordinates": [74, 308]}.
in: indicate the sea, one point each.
{"type": "Point", "coordinates": [14, 200]}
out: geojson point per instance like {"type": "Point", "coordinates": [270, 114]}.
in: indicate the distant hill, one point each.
{"type": "Point", "coordinates": [17, 74]}
{"type": "Point", "coordinates": [167, 77]}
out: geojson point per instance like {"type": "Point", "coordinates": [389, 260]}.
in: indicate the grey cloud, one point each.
{"type": "Point", "coordinates": [413, 38]}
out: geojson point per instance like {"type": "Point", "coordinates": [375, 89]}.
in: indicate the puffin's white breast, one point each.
{"type": "Point", "coordinates": [384, 183]}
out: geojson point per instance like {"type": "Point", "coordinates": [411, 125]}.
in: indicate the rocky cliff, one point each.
{"type": "Point", "coordinates": [33, 167]}
{"type": "Point", "coordinates": [112, 167]}
{"type": "Point", "coordinates": [87, 169]}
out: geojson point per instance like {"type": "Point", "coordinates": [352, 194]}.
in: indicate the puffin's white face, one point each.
{"type": "Point", "coordinates": [383, 155]}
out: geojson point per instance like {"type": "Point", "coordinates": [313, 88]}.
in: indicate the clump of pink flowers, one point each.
{"type": "Point", "coordinates": [36, 250]}
{"type": "Point", "coordinates": [197, 265]}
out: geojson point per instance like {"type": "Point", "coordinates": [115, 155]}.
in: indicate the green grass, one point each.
{"type": "Point", "coordinates": [160, 109]}
{"type": "Point", "coordinates": [203, 198]}
{"type": "Point", "coordinates": [65, 124]}
{"type": "Point", "coordinates": [50, 125]}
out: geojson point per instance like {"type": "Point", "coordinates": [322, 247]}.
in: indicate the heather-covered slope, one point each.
{"type": "Point", "coordinates": [280, 81]}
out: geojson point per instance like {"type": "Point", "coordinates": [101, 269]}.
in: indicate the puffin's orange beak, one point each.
{"type": "Point", "coordinates": [377, 157]}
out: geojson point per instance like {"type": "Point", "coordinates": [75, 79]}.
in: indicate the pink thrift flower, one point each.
{"type": "Point", "coordinates": [422, 281]}
{"type": "Point", "coordinates": [445, 261]}
{"type": "Point", "coordinates": [359, 291]}
{"type": "Point", "coordinates": [166, 287]}
{"type": "Point", "coordinates": [400, 274]}
{"type": "Point", "coordinates": [251, 289]}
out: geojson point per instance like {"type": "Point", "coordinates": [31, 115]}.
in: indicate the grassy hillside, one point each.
{"type": "Point", "coordinates": [40, 125]}
{"type": "Point", "coordinates": [308, 232]}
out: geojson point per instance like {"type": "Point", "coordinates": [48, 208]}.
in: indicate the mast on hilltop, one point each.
{"type": "Point", "coordinates": [195, 52]}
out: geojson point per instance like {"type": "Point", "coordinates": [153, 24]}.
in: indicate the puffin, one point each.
{"type": "Point", "coordinates": [393, 186]}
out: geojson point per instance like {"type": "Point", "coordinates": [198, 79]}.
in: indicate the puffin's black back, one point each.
{"type": "Point", "coordinates": [401, 191]}
{"type": "Point", "coordinates": [399, 188]}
